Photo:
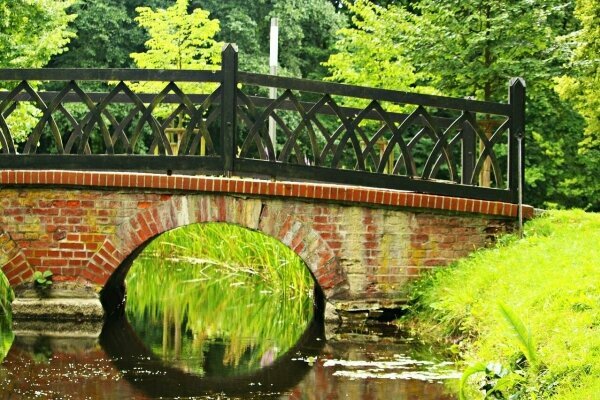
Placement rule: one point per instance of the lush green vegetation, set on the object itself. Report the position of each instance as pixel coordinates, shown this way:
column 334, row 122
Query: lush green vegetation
column 219, row 282
column 6, row 335
column 526, row 311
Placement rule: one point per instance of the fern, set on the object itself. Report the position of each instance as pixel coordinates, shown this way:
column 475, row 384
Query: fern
column 521, row 332
column 473, row 369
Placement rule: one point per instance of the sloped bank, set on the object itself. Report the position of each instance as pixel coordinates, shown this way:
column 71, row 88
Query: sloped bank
column 525, row 314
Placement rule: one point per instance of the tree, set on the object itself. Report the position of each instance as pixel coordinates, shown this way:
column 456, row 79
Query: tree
column 582, row 82
column 306, row 32
column 31, row 33
column 472, row 48
column 373, row 51
column 178, row 39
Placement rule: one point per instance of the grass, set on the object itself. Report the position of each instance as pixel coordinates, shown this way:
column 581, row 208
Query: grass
column 218, row 281
column 6, row 335
column 531, row 305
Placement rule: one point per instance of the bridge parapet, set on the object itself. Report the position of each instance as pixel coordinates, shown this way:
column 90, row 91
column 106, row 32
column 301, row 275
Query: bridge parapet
column 216, row 122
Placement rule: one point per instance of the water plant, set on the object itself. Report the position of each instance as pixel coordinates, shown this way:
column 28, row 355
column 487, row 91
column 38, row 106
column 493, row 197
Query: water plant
column 219, row 282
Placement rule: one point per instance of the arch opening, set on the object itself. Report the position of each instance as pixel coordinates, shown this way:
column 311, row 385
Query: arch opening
column 215, row 298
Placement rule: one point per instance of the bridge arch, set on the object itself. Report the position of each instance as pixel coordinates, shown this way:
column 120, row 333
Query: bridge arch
column 109, row 266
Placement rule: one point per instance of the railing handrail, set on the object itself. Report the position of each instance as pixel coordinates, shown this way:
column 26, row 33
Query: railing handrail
column 109, row 74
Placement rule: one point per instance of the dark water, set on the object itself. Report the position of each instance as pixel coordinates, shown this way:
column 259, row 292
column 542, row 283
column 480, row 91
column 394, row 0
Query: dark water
column 122, row 365
column 198, row 328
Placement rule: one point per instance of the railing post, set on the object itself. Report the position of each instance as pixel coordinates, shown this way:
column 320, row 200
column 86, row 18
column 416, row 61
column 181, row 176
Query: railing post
column 229, row 68
column 516, row 147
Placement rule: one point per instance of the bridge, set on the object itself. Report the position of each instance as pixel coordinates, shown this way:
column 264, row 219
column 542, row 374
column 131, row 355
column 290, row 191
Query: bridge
column 369, row 187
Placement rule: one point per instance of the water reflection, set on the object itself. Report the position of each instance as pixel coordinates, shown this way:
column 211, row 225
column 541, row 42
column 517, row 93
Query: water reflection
column 197, row 328
column 218, row 299
column 151, row 375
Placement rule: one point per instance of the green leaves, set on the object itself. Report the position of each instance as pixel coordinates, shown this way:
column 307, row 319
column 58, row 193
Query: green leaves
column 581, row 84
column 178, row 39
column 521, row 333
column 33, row 31
column 42, row 279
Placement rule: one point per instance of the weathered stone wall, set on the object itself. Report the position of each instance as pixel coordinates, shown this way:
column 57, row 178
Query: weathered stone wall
column 361, row 244
column 354, row 251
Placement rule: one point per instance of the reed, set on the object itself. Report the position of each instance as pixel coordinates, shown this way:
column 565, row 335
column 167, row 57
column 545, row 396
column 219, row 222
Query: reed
column 219, row 281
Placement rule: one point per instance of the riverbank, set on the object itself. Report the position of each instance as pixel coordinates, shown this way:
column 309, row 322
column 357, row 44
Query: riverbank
column 527, row 312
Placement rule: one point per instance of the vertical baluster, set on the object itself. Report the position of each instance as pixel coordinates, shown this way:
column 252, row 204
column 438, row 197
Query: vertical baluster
column 467, row 154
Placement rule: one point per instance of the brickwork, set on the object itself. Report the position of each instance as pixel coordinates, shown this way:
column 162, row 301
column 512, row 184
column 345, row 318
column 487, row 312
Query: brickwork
column 358, row 243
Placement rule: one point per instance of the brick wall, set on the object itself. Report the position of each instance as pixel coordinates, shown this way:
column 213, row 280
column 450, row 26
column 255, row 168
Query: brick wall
column 357, row 242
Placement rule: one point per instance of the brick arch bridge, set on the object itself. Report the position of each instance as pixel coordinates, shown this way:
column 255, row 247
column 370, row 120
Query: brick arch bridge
column 361, row 244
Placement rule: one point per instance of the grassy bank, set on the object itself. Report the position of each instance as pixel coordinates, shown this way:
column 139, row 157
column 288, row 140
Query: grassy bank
column 527, row 312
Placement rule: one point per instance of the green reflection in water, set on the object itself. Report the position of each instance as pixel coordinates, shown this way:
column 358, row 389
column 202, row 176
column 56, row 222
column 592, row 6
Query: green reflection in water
column 218, row 299
column 6, row 334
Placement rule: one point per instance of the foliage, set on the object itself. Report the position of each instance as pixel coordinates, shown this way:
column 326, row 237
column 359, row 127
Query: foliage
column 42, row 279
column 581, row 84
column 548, row 279
column 30, row 33
column 204, row 279
column 472, row 48
column 106, row 35
column 6, row 295
column 373, row 50
column 178, row 39
column 6, row 335
column 33, row 31
column 557, row 174
column 306, row 32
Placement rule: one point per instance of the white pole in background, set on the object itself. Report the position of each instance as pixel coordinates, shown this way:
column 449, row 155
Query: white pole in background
column 273, row 55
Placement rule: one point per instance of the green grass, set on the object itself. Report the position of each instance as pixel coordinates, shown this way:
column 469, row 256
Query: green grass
column 538, row 297
column 219, row 281
column 6, row 335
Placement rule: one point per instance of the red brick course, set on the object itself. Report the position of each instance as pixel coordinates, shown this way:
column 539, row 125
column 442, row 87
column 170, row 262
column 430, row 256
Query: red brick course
column 358, row 242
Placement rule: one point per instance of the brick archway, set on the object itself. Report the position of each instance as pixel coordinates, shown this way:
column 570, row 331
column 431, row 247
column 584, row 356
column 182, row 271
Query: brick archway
column 112, row 260
column 14, row 264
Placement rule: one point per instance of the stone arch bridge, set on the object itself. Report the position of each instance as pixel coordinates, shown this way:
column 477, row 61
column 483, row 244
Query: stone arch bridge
column 403, row 182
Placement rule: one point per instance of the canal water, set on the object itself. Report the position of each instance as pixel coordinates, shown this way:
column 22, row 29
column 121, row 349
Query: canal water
column 196, row 328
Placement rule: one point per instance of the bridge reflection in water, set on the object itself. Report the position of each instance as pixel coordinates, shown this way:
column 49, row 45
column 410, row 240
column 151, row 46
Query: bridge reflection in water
column 123, row 367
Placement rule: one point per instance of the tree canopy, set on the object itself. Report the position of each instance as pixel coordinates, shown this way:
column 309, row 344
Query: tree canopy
column 178, row 39
column 582, row 82
column 33, row 31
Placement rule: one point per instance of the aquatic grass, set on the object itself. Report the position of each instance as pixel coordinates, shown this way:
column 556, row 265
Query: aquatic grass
column 6, row 295
column 220, row 281
column 550, row 282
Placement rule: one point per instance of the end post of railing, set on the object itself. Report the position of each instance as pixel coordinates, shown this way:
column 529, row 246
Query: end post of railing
column 516, row 148
column 229, row 68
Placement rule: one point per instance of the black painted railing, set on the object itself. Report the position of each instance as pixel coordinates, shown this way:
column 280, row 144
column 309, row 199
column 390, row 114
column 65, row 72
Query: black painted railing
column 217, row 122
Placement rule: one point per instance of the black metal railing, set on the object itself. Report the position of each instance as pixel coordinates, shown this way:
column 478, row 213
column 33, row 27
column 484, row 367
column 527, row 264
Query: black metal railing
column 222, row 122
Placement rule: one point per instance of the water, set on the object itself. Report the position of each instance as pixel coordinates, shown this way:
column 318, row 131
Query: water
column 211, row 319
column 122, row 365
